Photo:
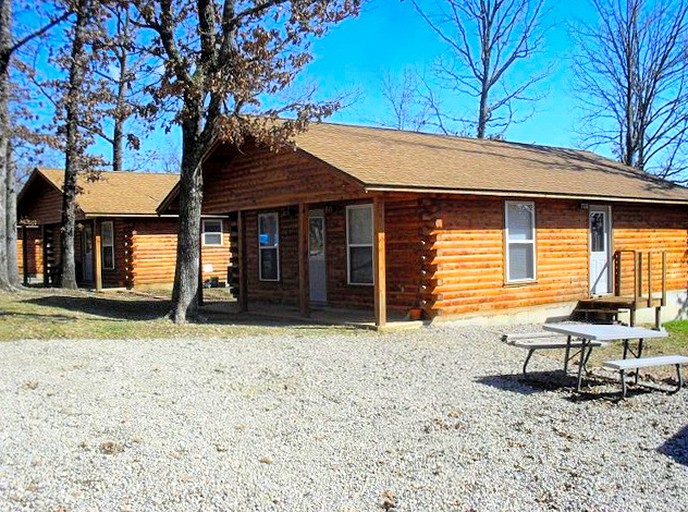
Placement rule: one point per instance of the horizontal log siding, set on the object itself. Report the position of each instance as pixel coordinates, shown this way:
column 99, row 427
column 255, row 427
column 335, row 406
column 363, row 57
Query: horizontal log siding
column 258, row 179
column 404, row 258
column 34, row 253
column 407, row 278
column 467, row 256
column 154, row 253
column 218, row 256
column 119, row 276
column 340, row 294
column 652, row 228
column 284, row 291
column 41, row 203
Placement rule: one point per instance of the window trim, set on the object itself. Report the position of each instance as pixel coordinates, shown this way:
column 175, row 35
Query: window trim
column 349, row 245
column 103, row 246
column 221, row 233
column 275, row 246
column 507, row 243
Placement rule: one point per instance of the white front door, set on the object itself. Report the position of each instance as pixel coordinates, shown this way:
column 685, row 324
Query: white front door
column 87, row 254
column 317, row 266
column 600, row 250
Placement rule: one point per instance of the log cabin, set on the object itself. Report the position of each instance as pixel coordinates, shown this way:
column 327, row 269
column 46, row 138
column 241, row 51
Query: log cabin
column 458, row 228
column 120, row 240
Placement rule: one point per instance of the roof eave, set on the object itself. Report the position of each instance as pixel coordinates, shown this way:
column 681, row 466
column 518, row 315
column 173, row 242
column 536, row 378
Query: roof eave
column 520, row 193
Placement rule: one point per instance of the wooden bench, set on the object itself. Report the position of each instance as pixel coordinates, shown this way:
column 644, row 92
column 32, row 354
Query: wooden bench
column 533, row 341
column 644, row 362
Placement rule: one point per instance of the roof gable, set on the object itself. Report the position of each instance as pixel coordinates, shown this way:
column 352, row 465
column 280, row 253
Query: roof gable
column 113, row 193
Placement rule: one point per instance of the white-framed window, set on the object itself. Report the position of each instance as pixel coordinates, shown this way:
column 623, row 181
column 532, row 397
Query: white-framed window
column 359, row 244
column 268, row 247
column 519, row 220
column 107, row 235
column 212, row 232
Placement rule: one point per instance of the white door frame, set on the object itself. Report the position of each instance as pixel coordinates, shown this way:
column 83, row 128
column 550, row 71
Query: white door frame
column 607, row 210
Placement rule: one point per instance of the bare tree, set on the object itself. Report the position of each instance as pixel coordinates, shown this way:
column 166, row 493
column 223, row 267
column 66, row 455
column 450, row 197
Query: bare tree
column 220, row 60
column 126, row 77
column 9, row 276
column 486, row 39
column 408, row 109
column 632, row 77
column 77, row 100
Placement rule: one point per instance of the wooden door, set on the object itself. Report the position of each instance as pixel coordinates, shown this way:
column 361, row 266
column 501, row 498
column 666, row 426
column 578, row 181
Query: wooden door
column 317, row 264
column 600, row 250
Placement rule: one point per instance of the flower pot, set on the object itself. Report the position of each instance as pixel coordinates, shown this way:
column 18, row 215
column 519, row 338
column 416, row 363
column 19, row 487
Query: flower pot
column 415, row 314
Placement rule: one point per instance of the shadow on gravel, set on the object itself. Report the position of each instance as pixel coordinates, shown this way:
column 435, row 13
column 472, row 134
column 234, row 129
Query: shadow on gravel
column 107, row 307
column 676, row 447
column 533, row 382
column 537, row 382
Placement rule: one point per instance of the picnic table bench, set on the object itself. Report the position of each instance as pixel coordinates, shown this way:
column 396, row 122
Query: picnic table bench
column 533, row 341
column 644, row 362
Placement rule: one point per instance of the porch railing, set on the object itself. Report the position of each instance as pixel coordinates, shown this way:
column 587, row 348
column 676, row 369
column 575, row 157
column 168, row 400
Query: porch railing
column 643, row 275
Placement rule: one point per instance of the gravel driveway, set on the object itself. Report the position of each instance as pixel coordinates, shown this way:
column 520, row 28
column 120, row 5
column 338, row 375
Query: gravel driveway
column 419, row 421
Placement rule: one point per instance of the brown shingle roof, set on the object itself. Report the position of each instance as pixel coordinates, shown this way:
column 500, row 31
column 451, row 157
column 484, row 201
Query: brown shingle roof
column 118, row 193
column 396, row 160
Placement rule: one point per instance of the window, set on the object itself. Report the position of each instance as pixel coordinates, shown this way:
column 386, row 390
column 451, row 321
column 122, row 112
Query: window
column 359, row 243
column 212, row 232
column 107, row 234
column 268, row 247
column 520, row 241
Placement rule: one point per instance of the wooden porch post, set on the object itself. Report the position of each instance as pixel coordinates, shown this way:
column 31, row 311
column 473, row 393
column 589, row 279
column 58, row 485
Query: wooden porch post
column 379, row 261
column 25, row 258
column 199, row 292
column 304, row 284
column 97, row 256
column 241, row 254
column 44, row 249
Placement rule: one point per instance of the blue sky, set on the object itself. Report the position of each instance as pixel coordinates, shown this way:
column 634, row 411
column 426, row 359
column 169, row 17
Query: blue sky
column 389, row 37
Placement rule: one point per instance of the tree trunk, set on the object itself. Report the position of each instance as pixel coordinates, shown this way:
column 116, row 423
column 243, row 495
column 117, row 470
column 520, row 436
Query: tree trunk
column 120, row 115
column 11, row 235
column 73, row 149
column 5, row 44
column 483, row 113
column 185, row 292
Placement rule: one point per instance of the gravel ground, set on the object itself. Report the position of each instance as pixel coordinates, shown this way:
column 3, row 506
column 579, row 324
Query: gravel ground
column 431, row 420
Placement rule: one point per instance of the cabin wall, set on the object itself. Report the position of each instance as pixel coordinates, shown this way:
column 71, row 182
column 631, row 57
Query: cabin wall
column 42, row 204
column 467, row 252
column 120, row 276
column 259, row 179
column 652, row 228
column 154, row 254
column 404, row 258
column 468, row 256
column 34, row 253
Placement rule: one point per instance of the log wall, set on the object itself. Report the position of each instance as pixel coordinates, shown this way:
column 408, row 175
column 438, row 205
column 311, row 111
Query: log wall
column 154, row 253
column 258, row 179
column 34, row 254
column 404, row 257
column 652, row 228
column 468, row 257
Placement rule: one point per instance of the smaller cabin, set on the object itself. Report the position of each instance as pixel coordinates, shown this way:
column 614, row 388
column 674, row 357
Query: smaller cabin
column 120, row 240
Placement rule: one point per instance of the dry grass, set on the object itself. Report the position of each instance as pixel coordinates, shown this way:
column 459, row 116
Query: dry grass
column 55, row 314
